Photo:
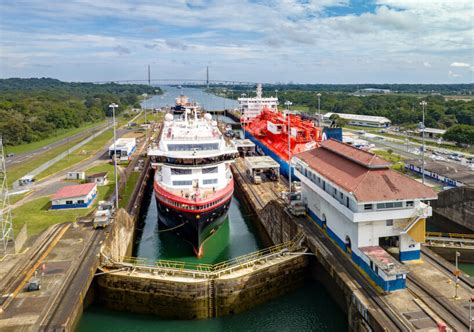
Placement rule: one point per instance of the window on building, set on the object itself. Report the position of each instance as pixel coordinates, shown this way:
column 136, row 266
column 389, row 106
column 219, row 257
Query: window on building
column 347, row 201
column 183, row 183
column 397, row 204
column 209, row 181
column 68, row 202
column 180, row 171
column 371, row 265
column 324, row 185
column 376, row 270
column 410, row 203
column 389, row 222
column 209, row 170
column 389, row 205
column 368, row 207
column 342, row 195
column 81, row 201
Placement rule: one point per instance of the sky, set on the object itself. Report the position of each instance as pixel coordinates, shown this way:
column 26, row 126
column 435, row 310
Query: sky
column 300, row 41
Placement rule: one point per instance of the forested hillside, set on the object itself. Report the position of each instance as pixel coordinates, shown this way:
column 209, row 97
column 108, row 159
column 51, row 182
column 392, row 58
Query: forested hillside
column 401, row 109
column 33, row 109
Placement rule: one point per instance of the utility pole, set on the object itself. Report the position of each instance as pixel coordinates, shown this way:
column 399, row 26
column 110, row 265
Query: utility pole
column 423, row 105
column 288, row 104
column 113, row 106
column 207, row 76
column 149, row 75
column 319, row 109
column 6, row 225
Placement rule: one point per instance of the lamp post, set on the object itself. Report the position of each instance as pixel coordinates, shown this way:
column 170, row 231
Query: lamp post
column 276, row 91
column 242, row 120
column 288, row 104
column 113, row 106
column 319, row 109
column 456, row 273
column 423, row 105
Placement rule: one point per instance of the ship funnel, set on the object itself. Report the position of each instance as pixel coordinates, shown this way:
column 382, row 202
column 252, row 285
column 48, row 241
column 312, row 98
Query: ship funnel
column 259, row 90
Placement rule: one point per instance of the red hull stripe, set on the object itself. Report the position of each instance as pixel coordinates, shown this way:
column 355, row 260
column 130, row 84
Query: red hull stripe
column 229, row 189
column 197, row 211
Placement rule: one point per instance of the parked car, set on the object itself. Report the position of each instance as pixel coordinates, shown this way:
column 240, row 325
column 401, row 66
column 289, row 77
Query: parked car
column 34, row 285
column 10, row 155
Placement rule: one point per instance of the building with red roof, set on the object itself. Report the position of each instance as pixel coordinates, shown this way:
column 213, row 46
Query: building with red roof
column 362, row 203
column 73, row 197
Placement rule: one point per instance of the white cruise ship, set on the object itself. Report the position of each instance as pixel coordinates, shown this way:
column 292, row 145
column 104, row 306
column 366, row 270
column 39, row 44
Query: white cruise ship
column 193, row 183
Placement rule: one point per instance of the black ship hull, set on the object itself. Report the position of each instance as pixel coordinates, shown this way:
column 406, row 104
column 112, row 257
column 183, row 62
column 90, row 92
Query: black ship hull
column 195, row 227
column 178, row 109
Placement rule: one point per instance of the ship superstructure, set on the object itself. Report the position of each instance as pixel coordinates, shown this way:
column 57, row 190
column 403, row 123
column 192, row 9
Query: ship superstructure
column 193, row 183
column 251, row 107
column 182, row 103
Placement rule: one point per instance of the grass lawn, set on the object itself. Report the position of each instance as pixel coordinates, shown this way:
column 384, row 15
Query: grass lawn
column 37, row 213
column 15, row 198
column 128, row 190
column 85, row 151
column 16, row 171
column 60, row 134
column 396, row 160
column 38, row 217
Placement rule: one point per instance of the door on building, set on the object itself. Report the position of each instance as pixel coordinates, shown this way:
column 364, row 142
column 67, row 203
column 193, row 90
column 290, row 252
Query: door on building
column 391, row 244
column 348, row 245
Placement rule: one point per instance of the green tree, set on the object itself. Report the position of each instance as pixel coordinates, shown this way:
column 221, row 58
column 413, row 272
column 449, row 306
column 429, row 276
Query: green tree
column 461, row 134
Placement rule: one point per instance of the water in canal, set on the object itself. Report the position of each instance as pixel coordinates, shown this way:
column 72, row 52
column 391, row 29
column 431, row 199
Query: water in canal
column 308, row 308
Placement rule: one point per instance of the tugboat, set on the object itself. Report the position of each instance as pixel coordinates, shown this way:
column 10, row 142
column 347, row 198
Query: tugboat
column 193, row 183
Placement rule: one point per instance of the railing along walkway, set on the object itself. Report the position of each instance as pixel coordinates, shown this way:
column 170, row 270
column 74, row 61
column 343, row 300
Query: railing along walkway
column 195, row 270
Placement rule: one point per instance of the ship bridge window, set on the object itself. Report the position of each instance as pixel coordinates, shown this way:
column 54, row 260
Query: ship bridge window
column 179, row 171
column 183, row 183
column 209, row 181
column 193, row 147
column 209, row 170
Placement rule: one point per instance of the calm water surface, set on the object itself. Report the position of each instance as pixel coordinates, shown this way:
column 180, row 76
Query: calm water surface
column 308, row 308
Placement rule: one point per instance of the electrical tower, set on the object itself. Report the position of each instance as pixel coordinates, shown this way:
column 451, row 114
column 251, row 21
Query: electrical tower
column 6, row 228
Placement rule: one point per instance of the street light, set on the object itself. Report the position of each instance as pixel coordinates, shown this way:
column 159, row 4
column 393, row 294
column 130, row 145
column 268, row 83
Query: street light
column 423, row 105
column 457, row 273
column 288, row 104
column 113, row 106
column 242, row 120
column 276, row 91
column 319, row 109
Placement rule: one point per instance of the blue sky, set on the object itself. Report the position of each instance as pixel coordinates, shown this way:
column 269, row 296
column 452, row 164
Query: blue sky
column 324, row 41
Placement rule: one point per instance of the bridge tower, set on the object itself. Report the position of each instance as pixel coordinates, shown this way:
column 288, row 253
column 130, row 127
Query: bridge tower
column 149, row 76
column 207, row 76
column 6, row 227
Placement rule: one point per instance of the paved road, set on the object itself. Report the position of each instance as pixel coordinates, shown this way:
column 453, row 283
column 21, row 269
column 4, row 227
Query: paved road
column 22, row 157
column 51, row 184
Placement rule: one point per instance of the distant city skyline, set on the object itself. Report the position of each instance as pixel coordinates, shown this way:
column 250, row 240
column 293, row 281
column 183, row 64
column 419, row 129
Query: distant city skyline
column 303, row 41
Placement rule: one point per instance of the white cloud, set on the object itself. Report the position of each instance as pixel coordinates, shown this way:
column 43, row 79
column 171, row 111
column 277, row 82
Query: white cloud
column 452, row 74
column 270, row 40
column 460, row 64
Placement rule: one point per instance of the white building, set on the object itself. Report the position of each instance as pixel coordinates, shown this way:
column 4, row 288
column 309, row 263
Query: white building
column 75, row 176
column 98, row 178
column 360, row 120
column 124, row 147
column 365, row 206
column 73, row 197
column 250, row 107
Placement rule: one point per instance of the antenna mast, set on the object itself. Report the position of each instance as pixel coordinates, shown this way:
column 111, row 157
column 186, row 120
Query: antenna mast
column 6, row 227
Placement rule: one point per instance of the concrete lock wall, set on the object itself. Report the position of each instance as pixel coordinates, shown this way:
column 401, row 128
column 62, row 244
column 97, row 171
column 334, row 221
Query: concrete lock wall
column 183, row 298
column 456, row 205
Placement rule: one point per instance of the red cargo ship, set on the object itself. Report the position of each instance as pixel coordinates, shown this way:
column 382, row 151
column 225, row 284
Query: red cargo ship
column 269, row 131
